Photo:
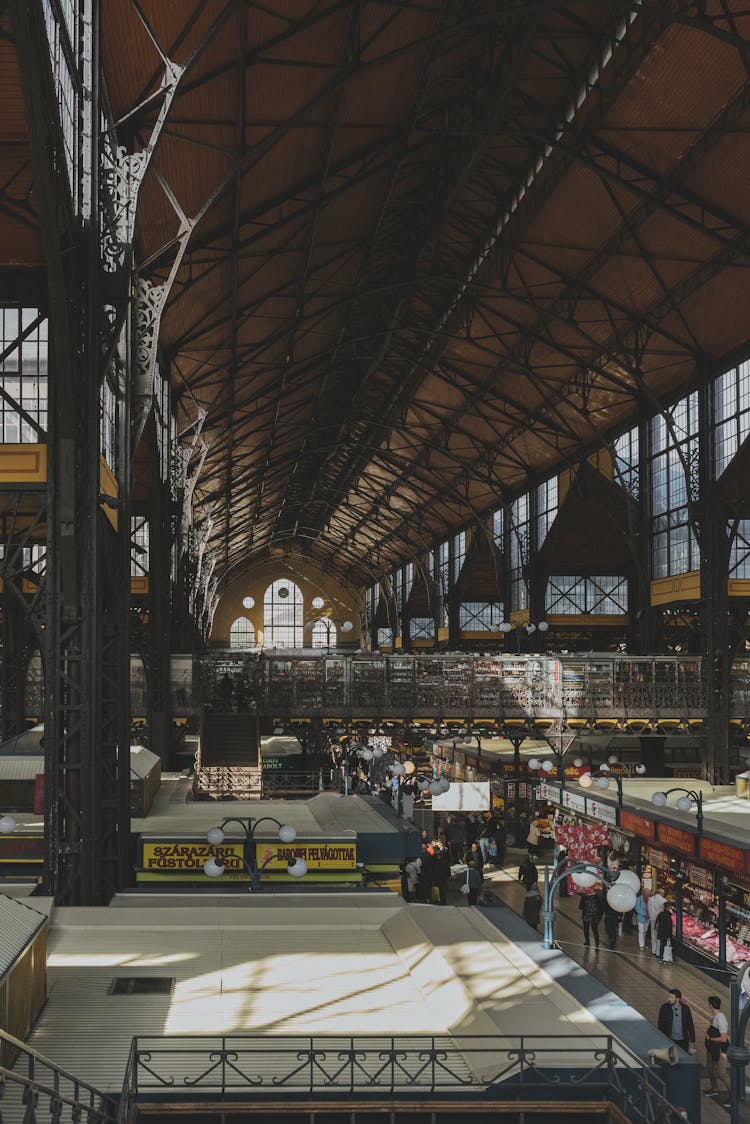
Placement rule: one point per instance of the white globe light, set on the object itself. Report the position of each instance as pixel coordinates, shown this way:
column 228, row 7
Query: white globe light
column 287, row 833
column 613, row 758
column 423, row 784
column 347, row 626
column 366, row 755
column 604, row 768
column 585, row 878
column 506, row 626
column 444, row 784
column 435, row 787
column 684, row 804
column 577, row 762
column 213, row 867
column 602, row 782
column 397, row 769
column 585, row 780
column 530, row 627
column 629, row 878
column 659, row 798
column 7, row 825
column 214, row 836
column 542, row 626
column 317, row 602
column 297, row 868
column 535, row 763
column 377, row 751
column 309, row 626
column 640, row 769
column 621, row 897
column 248, row 602
column 548, row 766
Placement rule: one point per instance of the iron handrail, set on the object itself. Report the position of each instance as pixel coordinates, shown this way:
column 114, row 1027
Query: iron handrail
column 228, row 1067
column 82, row 1097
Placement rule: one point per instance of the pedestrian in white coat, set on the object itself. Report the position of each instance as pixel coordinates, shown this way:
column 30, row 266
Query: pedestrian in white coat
column 654, row 906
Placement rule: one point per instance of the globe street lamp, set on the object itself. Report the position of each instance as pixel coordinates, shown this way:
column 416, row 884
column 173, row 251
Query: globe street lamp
column 621, row 893
column 683, row 803
column 215, row 866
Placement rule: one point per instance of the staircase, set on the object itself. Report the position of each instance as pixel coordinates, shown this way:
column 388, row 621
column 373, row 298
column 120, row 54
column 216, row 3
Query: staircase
column 34, row 1091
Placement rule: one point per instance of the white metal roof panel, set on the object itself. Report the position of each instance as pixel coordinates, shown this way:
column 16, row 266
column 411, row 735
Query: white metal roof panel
column 18, row 924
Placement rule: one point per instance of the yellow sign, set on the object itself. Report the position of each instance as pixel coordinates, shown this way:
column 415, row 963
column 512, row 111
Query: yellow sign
column 318, row 856
column 170, row 854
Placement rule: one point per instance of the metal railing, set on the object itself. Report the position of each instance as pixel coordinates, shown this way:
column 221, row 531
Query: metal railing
column 42, row 1091
column 242, row 1068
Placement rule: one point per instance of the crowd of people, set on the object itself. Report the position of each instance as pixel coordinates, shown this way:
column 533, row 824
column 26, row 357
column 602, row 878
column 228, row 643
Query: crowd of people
column 469, row 842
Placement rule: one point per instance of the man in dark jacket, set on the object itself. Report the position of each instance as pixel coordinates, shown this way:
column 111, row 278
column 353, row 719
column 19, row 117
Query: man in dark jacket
column 441, row 872
column 676, row 1020
column 532, row 905
column 591, row 907
column 527, row 873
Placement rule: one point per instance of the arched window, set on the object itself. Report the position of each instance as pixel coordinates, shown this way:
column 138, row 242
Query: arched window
column 282, row 615
column 324, row 633
column 242, row 634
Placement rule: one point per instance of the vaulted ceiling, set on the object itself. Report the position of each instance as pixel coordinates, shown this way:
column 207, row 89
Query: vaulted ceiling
column 435, row 248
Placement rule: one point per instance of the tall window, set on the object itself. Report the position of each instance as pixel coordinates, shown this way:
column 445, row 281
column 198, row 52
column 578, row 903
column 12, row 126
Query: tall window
column 480, row 616
column 570, row 595
column 242, row 634
column 626, row 462
column 731, row 399
column 107, row 423
column 442, row 579
column 459, row 554
column 497, row 528
column 674, row 482
column 408, row 580
column 139, row 547
column 282, row 615
column 23, row 374
column 739, row 555
column 324, row 633
column 421, row 628
column 372, row 597
column 546, row 508
column 520, row 528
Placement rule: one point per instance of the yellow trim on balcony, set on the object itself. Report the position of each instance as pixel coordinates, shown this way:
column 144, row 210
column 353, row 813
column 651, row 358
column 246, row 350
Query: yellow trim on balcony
column 23, row 464
column 681, row 587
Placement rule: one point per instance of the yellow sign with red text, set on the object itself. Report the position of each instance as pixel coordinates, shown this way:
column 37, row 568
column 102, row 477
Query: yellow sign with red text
column 318, row 856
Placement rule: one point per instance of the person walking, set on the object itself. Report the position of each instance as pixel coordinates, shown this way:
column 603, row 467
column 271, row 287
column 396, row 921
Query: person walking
column 411, row 877
column 676, row 1021
column 441, row 872
column 486, row 835
column 533, row 838
column 474, row 855
column 532, row 905
column 475, row 881
column 664, row 935
column 641, row 916
column 612, row 922
column 654, row 906
column 591, row 907
column 717, row 1039
column 527, row 872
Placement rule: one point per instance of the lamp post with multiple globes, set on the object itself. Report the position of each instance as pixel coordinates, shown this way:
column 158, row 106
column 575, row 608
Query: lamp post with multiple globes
column 622, row 890
column 215, row 866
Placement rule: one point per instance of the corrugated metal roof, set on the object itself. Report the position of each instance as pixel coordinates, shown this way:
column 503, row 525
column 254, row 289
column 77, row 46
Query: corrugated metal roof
column 18, row 924
column 142, row 761
column 20, row 767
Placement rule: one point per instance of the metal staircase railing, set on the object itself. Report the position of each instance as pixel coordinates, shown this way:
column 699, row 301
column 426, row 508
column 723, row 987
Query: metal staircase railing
column 255, row 1069
column 33, row 1090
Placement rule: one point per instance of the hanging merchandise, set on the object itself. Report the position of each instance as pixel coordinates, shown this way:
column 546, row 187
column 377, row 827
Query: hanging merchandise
column 584, row 843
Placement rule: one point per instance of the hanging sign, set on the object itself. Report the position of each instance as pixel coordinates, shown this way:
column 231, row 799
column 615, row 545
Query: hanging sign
column 604, row 812
column 639, row 825
column 318, row 856
column 184, row 855
column 723, row 854
column 699, row 876
column 549, row 792
column 573, row 801
column 675, row 837
column 659, row 859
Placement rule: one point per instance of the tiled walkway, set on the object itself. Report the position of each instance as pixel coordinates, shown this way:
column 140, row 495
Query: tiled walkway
column 637, row 976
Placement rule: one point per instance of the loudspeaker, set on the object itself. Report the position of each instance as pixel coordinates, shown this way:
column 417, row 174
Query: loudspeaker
column 668, row 1055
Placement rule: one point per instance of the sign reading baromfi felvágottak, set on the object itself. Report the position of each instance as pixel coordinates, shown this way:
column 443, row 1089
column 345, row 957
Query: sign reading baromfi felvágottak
column 182, row 855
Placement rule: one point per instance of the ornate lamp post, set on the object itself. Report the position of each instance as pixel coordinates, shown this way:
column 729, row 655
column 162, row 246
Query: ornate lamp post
column 621, row 893
column 214, row 867
column 683, row 803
